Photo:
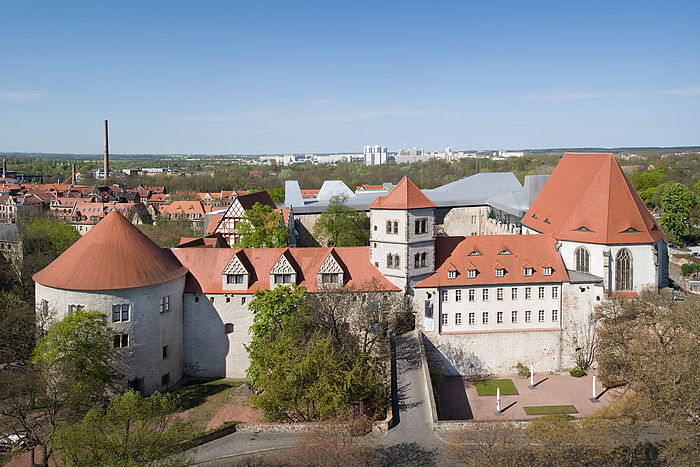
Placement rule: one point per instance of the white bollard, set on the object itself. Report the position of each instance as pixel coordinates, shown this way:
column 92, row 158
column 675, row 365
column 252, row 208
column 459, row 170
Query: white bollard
column 594, row 391
column 532, row 375
column 498, row 399
column 594, row 399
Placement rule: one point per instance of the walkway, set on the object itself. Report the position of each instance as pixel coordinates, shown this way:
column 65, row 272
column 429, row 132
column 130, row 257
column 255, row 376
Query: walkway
column 411, row 441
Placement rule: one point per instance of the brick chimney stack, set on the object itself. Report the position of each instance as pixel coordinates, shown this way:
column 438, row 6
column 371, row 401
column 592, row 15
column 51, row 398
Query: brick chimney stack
column 106, row 151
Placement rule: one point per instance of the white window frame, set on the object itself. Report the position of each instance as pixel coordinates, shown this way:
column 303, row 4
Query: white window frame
column 444, row 295
column 514, row 316
column 540, row 292
column 528, row 316
column 458, row 295
column 528, row 272
column 458, row 318
column 528, row 293
column 555, row 292
column 555, row 316
column 499, row 293
column 540, row 316
column 547, row 271
column 472, row 317
column 499, row 317
column 452, row 274
column 500, row 272
column 472, row 295
column 514, row 293
column 485, row 295
column 485, row 317
column 471, row 273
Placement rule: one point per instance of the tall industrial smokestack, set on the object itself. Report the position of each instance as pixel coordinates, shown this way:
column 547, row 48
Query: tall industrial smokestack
column 72, row 176
column 4, row 168
column 106, row 151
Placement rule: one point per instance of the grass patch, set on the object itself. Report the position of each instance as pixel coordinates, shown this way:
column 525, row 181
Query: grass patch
column 550, row 409
column 195, row 393
column 487, row 387
column 203, row 399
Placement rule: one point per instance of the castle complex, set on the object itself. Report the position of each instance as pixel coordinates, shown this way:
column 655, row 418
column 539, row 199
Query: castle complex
column 483, row 302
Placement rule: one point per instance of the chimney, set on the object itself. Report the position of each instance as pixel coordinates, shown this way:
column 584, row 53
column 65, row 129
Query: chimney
column 106, row 151
column 4, row 168
column 72, row 174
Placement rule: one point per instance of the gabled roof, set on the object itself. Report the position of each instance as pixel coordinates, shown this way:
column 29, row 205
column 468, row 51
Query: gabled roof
column 525, row 249
column 112, row 255
column 589, row 199
column 405, row 195
column 206, row 266
column 262, row 197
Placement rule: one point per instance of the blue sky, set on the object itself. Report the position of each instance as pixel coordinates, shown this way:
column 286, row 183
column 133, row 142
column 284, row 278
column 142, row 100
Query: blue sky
column 276, row 77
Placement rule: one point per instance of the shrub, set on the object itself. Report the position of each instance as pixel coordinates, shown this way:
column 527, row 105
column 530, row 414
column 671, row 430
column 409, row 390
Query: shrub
column 523, row 370
column 577, row 372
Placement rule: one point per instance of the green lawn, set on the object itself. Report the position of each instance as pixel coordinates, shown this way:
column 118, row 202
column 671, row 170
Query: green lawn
column 487, row 387
column 550, row 409
column 195, row 392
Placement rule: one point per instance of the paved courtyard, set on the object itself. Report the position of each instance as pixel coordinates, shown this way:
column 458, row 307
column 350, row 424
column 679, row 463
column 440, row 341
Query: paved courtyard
column 460, row 401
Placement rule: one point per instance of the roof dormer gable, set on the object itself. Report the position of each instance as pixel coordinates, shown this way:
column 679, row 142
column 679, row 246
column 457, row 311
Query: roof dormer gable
column 283, row 265
column 236, row 266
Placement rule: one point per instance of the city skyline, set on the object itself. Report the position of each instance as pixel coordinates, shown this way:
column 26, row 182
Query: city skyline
column 275, row 78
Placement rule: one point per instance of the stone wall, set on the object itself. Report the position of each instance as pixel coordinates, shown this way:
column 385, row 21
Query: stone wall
column 148, row 329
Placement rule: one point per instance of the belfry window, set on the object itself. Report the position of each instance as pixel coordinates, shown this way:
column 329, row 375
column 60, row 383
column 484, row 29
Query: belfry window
column 623, row 271
column 582, row 258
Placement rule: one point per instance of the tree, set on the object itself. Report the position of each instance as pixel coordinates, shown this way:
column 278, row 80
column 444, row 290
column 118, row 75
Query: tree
column 262, row 227
column 68, row 373
column 340, row 225
column 583, row 340
column 652, row 342
column 132, row 431
column 676, row 202
column 17, row 329
column 167, row 233
column 271, row 309
column 302, row 372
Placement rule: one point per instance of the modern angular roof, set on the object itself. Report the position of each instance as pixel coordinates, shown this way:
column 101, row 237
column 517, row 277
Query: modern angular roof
column 589, row 199
column 486, row 253
column 206, row 266
column 405, row 195
column 112, row 255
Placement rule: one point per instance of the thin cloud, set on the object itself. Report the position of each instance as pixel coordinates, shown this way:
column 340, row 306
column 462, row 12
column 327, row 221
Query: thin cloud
column 22, row 95
column 260, row 115
column 693, row 90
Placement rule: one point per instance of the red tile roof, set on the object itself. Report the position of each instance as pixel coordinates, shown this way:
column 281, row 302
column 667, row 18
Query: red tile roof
column 405, row 195
column 589, row 199
column 206, row 266
column 535, row 251
column 112, row 255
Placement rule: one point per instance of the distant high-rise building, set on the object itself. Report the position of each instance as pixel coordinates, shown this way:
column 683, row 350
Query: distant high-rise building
column 375, row 155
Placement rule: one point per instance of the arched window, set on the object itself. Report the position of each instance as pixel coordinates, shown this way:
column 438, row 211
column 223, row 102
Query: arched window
column 396, row 261
column 623, row 270
column 389, row 261
column 416, row 261
column 228, row 328
column 423, row 257
column 583, row 259
column 396, row 227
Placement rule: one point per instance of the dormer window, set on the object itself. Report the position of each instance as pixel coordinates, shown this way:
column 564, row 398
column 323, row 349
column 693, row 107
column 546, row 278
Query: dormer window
column 331, row 278
column 500, row 272
column 528, row 272
column 505, row 252
column 474, row 253
column 547, row 271
column 282, row 278
column 452, row 274
column 234, row 278
column 471, row 273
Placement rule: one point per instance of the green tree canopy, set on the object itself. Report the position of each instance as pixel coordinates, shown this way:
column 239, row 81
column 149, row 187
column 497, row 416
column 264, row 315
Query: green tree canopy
column 340, row 225
column 646, row 183
column 69, row 372
column 262, row 227
column 80, row 347
column 132, row 431
column 271, row 309
column 676, row 202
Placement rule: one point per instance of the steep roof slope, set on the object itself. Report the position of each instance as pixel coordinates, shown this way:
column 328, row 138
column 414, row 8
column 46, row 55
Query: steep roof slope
column 405, row 195
column 262, row 197
column 589, row 199
column 113, row 255
column 486, row 253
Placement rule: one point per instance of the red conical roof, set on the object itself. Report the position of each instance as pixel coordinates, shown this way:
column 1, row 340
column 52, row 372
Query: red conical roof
column 589, row 199
column 405, row 195
column 112, row 255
